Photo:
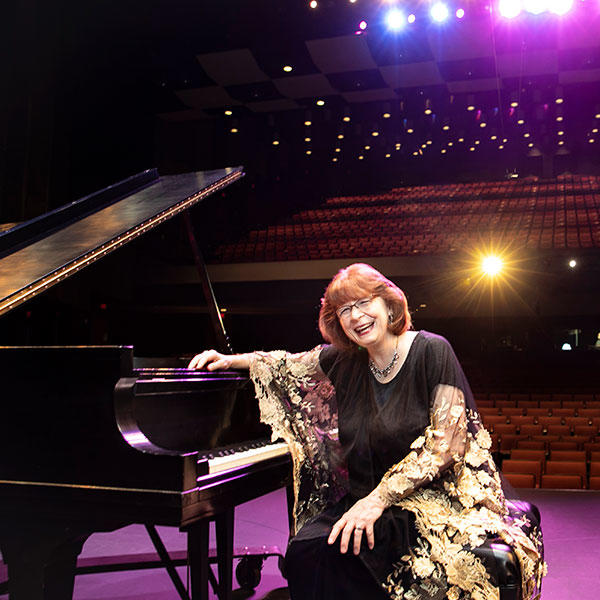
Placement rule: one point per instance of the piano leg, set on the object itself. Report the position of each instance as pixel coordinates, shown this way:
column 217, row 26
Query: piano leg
column 198, row 558
column 224, row 530
column 197, row 539
column 41, row 564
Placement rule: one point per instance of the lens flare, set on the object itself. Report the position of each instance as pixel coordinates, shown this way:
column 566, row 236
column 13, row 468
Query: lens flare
column 491, row 265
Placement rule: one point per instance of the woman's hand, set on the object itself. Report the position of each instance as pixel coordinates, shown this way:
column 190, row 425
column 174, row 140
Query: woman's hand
column 361, row 517
column 213, row 360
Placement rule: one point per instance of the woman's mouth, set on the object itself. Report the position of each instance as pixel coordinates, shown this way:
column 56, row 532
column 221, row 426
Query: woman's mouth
column 364, row 329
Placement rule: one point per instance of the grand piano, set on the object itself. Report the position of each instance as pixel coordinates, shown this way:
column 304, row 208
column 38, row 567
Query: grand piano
column 93, row 438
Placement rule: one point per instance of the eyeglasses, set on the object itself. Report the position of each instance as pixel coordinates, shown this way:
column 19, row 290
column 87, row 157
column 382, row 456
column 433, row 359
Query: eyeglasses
column 344, row 312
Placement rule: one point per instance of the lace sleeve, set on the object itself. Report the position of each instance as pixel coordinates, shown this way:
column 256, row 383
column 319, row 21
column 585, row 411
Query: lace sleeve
column 442, row 444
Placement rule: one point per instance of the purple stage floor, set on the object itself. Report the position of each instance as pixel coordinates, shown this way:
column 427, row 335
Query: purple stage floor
column 571, row 525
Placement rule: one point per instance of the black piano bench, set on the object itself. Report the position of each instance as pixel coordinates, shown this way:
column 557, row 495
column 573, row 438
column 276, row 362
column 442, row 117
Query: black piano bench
column 499, row 558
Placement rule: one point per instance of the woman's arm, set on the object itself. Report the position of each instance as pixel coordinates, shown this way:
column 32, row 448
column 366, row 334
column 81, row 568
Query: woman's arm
column 213, row 360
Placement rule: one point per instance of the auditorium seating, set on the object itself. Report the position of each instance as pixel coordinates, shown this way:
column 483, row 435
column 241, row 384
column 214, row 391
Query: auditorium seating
column 553, row 442
column 429, row 220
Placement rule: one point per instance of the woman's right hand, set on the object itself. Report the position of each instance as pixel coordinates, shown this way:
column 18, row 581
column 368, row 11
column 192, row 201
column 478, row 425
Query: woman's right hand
column 213, row 360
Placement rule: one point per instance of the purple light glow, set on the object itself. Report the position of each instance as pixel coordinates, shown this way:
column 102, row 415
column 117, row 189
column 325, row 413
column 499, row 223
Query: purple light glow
column 362, row 25
column 560, row 7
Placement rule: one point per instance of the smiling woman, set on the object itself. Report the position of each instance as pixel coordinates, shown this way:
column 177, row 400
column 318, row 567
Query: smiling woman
column 394, row 482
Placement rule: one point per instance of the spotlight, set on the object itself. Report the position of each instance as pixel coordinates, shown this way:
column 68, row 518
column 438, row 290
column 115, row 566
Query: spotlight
column 470, row 107
column 287, row 68
column 228, row 113
column 566, row 346
column 307, row 123
column 340, row 136
column 572, row 263
column 410, row 130
column 388, row 155
column 395, row 19
column 509, row 8
column 386, row 115
column 560, row 7
column 411, row 18
column 313, row 4
column 559, row 119
column 346, row 119
column 275, row 142
column 491, row 265
column 362, row 25
column 439, row 12
column 374, row 133
column 460, row 13
column 559, row 101
column 234, row 130
column 320, row 102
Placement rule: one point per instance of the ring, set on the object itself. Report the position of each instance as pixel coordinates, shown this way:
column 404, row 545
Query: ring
column 358, row 528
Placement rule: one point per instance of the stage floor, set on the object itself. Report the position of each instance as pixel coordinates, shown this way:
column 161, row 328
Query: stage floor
column 570, row 521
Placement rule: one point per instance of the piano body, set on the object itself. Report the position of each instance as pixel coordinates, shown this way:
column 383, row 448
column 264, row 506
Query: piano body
column 92, row 439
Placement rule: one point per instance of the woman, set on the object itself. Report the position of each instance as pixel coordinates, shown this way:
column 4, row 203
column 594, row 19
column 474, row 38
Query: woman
column 393, row 476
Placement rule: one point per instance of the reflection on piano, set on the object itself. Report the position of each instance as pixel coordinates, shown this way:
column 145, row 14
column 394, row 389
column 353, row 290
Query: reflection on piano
column 94, row 439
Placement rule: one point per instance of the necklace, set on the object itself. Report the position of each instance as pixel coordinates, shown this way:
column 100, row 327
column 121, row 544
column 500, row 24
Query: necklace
column 383, row 373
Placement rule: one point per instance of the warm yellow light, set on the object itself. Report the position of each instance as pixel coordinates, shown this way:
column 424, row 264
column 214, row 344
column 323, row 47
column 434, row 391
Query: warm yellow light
column 429, row 142
column 428, row 111
column 228, row 112
column 446, row 127
column 470, row 107
column 500, row 147
column 520, row 122
column 234, row 130
column 386, row 115
column 491, row 265
column 275, row 142
column 334, row 159
column 346, row 119
column 375, row 133
column 287, row 68
column 472, row 148
column 338, row 149
column 450, row 144
column 309, row 152
column 443, row 150
column 340, row 136
column 514, row 104
column 559, row 101
column 493, row 137
column 308, row 123
column 320, row 102
column 482, row 124
column 313, row 3
column 461, row 140
column 388, row 155
column 477, row 142
column 367, row 147
column 410, row 130
column 307, row 139
column 525, row 135
column 572, row 263
column 559, row 119
column 360, row 157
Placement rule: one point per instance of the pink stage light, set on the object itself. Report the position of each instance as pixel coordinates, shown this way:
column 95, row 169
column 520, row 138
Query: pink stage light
column 460, row 13
column 509, row 8
column 362, row 25
column 560, row 7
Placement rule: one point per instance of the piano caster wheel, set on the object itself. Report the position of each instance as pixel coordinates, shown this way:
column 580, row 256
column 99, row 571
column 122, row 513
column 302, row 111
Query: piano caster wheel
column 248, row 571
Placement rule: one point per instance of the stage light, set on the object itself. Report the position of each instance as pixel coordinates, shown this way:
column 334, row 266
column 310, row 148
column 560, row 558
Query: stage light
column 346, row 119
column 411, row 18
column 309, row 152
column 307, row 139
column 228, row 113
column 308, row 123
column 338, row 149
column 375, row 133
column 509, row 8
column 362, row 25
column 559, row 119
column 443, row 150
column 504, row 141
column 560, row 7
column 334, row 159
column 460, row 13
column 535, row 7
column 477, row 142
column 526, row 135
column 530, row 145
column 313, row 4
column 500, row 147
column 493, row 137
column 367, row 147
column 561, row 133
column 591, row 141
column 520, row 122
column 597, row 116
column 439, row 12
column 388, row 155
column 320, row 102
column 429, row 142
column 395, row 19
column 491, row 265
column 595, row 130
column 340, row 136
column 483, row 124
column 428, row 111
column 234, row 130
column 461, row 140
column 472, row 148
column 450, row 144
column 572, row 263
column 287, row 69
column 275, row 142
column 410, row 130
column 446, row 127
column 514, row 104
column 415, row 154
column 360, row 157
column 470, row 107
column 566, row 346
column 386, row 115
column 561, row 142
column 559, row 101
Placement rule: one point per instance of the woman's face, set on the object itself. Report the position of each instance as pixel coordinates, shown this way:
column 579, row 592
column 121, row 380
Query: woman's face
column 365, row 321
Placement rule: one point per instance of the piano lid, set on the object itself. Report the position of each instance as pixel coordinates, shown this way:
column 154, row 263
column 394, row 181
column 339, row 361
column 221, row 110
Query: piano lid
column 48, row 249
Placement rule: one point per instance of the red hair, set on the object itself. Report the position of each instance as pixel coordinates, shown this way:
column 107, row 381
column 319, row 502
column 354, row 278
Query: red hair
column 360, row 281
